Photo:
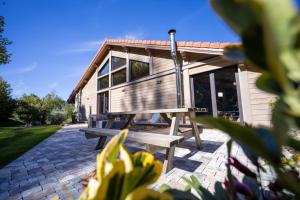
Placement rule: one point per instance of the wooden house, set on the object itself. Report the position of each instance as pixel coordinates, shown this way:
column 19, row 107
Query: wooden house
column 128, row 75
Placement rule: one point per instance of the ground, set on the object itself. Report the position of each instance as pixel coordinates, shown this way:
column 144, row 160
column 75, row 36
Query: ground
column 15, row 141
column 56, row 165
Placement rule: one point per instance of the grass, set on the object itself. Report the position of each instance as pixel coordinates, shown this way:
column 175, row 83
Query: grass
column 15, row 141
column 10, row 123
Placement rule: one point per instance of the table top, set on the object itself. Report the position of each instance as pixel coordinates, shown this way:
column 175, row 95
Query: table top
column 172, row 110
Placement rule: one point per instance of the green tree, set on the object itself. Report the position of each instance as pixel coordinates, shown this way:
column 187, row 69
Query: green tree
column 4, row 55
column 29, row 109
column 7, row 103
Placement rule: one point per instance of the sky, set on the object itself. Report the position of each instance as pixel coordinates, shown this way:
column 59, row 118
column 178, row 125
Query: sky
column 55, row 40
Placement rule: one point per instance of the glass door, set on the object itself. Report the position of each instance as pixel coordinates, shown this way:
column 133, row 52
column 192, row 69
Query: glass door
column 103, row 101
column 215, row 93
column 202, row 94
column 226, row 94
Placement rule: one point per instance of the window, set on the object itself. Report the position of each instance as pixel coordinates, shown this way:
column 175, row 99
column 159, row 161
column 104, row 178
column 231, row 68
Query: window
column 119, row 77
column 103, row 82
column 117, row 62
column 104, row 69
column 103, row 102
column 138, row 69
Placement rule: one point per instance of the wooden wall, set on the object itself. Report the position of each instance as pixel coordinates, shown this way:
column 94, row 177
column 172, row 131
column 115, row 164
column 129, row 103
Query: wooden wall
column 89, row 98
column 259, row 102
column 151, row 94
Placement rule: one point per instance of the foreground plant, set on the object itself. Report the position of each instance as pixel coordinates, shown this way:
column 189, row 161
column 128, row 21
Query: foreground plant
column 270, row 35
column 121, row 175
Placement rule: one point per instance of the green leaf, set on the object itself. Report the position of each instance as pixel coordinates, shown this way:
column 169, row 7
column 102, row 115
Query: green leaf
column 241, row 20
column 295, row 144
column 164, row 188
column 220, row 192
column 181, row 195
column 266, row 83
column 195, row 184
column 242, row 134
column 235, row 52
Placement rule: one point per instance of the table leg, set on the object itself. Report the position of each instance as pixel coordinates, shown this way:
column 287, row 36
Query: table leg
column 166, row 118
column 100, row 143
column 168, row 162
column 175, row 124
column 196, row 130
column 102, row 139
column 130, row 118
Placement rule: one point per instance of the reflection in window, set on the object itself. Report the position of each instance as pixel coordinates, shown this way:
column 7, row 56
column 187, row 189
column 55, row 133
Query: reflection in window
column 103, row 82
column 138, row 69
column 202, row 94
column 119, row 77
column 117, row 62
column 226, row 93
column 104, row 69
column 103, row 102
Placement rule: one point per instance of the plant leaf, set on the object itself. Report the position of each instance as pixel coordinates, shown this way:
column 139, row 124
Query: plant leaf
column 242, row 134
column 144, row 193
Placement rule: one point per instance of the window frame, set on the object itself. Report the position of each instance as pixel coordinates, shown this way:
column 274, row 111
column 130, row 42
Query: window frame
column 116, row 71
column 123, row 66
column 130, row 69
column 107, row 62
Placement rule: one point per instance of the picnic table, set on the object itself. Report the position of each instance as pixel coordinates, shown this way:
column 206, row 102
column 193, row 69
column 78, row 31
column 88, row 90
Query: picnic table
column 176, row 135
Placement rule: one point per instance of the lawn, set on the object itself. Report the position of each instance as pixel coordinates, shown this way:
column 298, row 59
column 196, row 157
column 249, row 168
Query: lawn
column 15, row 141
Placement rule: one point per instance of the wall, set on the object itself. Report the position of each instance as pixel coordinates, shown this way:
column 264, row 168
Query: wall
column 89, row 98
column 151, row 94
column 259, row 102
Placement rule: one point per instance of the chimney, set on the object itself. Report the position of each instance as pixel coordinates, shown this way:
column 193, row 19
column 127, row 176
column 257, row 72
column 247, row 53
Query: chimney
column 177, row 68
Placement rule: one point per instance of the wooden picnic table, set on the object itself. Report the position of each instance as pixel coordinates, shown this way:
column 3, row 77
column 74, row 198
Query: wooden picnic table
column 175, row 136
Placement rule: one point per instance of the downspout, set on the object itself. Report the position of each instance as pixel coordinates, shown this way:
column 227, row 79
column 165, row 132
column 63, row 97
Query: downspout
column 177, row 64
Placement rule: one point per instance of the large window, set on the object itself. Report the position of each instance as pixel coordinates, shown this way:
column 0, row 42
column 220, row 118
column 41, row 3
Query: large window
column 117, row 62
column 119, row 77
column 104, row 69
column 103, row 82
column 215, row 93
column 138, row 69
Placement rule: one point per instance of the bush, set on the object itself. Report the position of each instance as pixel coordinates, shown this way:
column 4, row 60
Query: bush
column 7, row 103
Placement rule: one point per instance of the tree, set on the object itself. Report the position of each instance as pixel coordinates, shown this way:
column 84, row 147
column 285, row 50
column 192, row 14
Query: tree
column 7, row 103
column 4, row 55
column 29, row 109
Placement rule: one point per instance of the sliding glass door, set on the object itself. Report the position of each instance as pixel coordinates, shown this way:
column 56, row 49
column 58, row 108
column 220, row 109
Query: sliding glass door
column 103, row 102
column 215, row 93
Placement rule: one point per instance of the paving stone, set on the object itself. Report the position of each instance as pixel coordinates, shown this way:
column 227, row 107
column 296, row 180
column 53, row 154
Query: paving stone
column 4, row 195
column 55, row 161
column 17, row 196
column 31, row 191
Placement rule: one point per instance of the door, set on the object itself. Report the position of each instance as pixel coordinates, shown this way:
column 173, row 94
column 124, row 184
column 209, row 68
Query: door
column 226, row 94
column 103, row 101
column 202, row 94
column 215, row 93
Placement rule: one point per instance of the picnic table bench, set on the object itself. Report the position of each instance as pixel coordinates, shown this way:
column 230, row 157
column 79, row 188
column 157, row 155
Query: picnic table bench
column 175, row 136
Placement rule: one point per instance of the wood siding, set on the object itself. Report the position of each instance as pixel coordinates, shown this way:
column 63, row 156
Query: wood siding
column 89, row 98
column 259, row 102
column 155, row 93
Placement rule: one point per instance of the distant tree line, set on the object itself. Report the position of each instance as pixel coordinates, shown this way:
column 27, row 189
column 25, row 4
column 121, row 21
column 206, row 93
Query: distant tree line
column 32, row 109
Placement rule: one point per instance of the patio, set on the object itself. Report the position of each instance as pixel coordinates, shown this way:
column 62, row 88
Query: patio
column 56, row 166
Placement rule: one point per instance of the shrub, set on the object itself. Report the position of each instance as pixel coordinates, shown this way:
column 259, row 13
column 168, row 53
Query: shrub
column 121, row 175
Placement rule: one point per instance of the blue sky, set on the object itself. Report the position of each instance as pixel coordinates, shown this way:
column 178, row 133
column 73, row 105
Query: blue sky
column 54, row 40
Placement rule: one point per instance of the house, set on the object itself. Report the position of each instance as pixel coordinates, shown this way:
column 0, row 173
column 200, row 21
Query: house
column 130, row 75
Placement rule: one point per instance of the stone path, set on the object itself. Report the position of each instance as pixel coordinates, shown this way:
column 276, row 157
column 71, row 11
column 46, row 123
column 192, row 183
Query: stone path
column 55, row 166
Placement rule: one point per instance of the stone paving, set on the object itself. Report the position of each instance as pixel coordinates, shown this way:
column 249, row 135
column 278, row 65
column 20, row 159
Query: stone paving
column 55, row 166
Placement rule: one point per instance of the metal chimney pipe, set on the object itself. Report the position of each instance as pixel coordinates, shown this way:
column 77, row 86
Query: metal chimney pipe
column 177, row 68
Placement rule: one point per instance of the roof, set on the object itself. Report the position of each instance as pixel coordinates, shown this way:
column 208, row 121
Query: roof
column 147, row 44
